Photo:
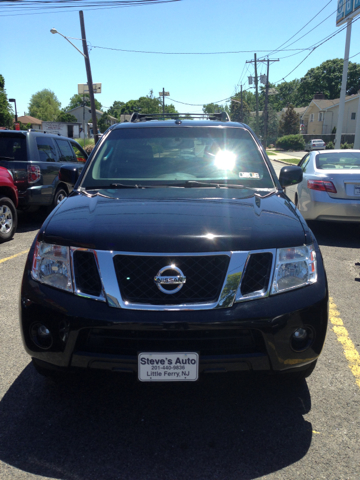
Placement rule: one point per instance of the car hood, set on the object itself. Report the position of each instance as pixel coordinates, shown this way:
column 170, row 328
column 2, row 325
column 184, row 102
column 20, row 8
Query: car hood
column 175, row 220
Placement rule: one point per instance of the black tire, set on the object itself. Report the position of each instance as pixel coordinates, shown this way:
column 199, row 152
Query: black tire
column 8, row 219
column 300, row 374
column 60, row 195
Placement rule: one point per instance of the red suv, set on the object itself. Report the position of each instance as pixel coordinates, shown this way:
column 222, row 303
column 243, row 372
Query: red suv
column 8, row 204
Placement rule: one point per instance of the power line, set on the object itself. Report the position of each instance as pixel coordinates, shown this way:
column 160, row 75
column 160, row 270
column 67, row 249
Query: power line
column 302, row 28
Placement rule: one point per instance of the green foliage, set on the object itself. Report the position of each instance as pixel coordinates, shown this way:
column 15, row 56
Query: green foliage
column 291, row 142
column 44, row 105
column 326, row 78
column 289, row 122
column 147, row 104
column 79, row 100
column 286, row 93
column 215, row 108
column 89, row 141
column 347, row 145
column 330, row 145
column 272, row 127
column 104, row 122
column 235, row 110
column 66, row 117
column 6, row 112
column 333, row 130
column 115, row 109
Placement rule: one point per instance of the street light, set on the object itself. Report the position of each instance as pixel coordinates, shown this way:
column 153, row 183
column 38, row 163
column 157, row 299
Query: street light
column 14, row 101
column 88, row 71
column 53, row 30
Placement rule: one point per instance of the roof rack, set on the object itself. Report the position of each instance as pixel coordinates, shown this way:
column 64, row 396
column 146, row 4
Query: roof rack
column 145, row 117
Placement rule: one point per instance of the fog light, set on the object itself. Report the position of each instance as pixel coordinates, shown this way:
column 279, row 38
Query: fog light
column 43, row 331
column 41, row 336
column 301, row 339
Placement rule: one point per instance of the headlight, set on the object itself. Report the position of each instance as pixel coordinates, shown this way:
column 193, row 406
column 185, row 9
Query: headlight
column 295, row 267
column 51, row 265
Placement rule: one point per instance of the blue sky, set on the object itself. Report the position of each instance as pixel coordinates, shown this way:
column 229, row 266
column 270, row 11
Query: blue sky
column 31, row 58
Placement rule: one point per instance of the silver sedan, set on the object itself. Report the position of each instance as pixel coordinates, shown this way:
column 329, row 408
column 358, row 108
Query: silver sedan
column 330, row 189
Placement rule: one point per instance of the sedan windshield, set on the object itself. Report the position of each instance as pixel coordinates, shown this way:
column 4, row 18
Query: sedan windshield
column 176, row 156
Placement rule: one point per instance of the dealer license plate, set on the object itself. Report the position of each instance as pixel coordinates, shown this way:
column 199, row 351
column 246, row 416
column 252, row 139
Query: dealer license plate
column 168, row 367
column 357, row 190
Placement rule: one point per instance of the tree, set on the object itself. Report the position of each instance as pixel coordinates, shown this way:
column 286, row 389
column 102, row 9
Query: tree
column 215, row 108
column 44, row 105
column 235, row 109
column 115, row 109
column 148, row 104
column 289, row 122
column 272, row 126
column 326, row 78
column 281, row 95
column 6, row 117
column 78, row 101
column 66, row 117
column 104, row 122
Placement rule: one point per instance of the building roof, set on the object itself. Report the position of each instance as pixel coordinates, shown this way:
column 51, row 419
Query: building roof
column 28, row 119
column 97, row 111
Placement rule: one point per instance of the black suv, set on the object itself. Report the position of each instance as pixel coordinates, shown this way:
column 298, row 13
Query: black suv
column 176, row 254
column 34, row 159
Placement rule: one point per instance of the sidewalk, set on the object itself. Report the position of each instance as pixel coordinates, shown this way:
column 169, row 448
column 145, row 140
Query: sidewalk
column 283, row 156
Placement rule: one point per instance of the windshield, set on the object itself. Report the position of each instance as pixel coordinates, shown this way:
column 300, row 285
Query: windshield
column 162, row 156
column 338, row 160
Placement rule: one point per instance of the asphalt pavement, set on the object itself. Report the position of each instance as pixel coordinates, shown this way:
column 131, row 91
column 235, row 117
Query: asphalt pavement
column 224, row 427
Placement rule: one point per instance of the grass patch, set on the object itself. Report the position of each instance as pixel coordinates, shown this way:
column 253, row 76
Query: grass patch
column 89, row 141
column 270, row 153
column 293, row 161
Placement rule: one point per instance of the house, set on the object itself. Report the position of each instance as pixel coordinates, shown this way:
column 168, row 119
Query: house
column 321, row 116
column 35, row 122
column 67, row 129
column 83, row 115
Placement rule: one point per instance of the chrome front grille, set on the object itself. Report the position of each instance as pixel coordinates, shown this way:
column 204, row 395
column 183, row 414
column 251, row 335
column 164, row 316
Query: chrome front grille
column 257, row 273
column 213, row 280
column 204, row 278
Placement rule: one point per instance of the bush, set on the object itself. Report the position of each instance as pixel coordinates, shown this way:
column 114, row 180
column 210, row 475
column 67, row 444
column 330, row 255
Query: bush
column 89, row 148
column 347, row 145
column 330, row 145
column 89, row 141
column 291, row 142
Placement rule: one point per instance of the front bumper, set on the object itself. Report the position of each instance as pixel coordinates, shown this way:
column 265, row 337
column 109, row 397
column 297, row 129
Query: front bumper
column 253, row 335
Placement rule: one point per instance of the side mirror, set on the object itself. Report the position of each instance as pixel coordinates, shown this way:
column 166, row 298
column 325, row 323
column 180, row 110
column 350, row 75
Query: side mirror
column 290, row 176
column 69, row 175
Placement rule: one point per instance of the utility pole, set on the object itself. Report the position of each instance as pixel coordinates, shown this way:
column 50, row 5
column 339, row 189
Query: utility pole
column 265, row 112
column 241, row 107
column 89, row 77
column 257, row 97
column 164, row 94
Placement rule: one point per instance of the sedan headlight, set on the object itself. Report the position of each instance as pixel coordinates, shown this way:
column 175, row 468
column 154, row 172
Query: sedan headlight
column 51, row 265
column 295, row 267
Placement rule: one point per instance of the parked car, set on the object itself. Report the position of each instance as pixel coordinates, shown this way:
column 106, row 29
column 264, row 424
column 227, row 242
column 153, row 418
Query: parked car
column 8, row 204
column 177, row 254
column 315, row 144
column 330, row 189
column 35, row 158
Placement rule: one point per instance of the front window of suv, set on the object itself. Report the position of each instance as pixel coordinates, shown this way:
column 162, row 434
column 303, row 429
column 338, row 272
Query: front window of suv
column 162, row 155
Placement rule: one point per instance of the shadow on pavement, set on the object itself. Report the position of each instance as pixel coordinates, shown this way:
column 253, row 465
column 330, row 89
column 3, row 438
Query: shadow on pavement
column 28, row 222
column 107, row 427
column 335, row 234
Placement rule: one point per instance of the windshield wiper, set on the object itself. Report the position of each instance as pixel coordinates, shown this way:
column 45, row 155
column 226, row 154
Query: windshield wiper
column 195, row 183
column 112, row 185
column 7, row 158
